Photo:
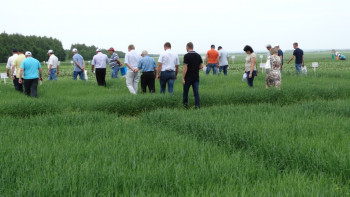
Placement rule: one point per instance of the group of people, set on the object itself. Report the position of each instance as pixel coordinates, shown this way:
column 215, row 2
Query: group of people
column 24, row 72
column 165, row 71
column 337, row 56
column 275, row 63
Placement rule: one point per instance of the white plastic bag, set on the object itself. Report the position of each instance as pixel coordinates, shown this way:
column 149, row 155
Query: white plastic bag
column 268, row 64
column 304, row 70
column 85, row 75
column 245, row 76
column 204, row 68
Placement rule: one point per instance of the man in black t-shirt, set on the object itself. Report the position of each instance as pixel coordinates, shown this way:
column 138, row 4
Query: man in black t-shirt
column 299, row 57
column 190, row 75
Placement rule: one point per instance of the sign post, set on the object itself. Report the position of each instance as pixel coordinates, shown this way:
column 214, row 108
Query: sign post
column 315, row 65
column 4, row 76
column 262, row 65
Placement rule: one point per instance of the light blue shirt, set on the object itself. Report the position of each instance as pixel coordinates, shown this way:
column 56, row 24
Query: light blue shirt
column 147, row 64
column 223, row 57
column 77, row 57
column 30, row 68
column 100, row 60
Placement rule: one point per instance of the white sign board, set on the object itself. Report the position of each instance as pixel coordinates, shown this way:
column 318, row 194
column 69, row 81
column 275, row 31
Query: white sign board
column 3, row 76
column 262, row 65
column 315, row 64
column 71, row 62
column 233, row 57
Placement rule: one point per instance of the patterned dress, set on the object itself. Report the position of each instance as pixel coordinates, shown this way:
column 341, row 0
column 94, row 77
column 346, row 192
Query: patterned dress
column 274, row 76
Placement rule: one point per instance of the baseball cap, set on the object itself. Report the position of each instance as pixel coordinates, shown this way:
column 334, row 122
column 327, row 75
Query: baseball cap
column 14, row 50
column 268, row 46
column 75, row 50
column 98, row 50
column 111, row 49
column 28, row 53
column 50, row 52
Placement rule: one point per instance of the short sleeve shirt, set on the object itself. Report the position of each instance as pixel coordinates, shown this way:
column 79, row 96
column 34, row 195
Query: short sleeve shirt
column 169, row 60
column 18, row 62
column 147, row 64
column 223, row 58
column 248, row 62
column 113, row 60
column 77, row 57
column 212, row 56
column 193, row 61
column 132, row 58
column 53, row 60
column 298, row 53
column 30, row 68
column 100, row 60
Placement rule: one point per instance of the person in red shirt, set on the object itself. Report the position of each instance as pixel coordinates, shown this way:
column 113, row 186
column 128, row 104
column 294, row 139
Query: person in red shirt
column 212, row 60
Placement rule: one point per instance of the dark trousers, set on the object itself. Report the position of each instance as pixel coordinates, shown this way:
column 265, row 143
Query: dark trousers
column 147, row 80
column 195, row 86
column 101, row 76
column 18, row 86
column 31, row 85
column 251, row 80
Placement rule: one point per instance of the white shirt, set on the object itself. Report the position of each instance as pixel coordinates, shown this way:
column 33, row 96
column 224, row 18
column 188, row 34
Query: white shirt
column 100, row 60
column 223, row 58
column 53, row 60
column 132, row 58
column 169, row 60
column 10, row 62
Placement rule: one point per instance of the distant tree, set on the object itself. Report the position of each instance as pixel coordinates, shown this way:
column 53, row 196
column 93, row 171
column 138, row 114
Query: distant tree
column 37, row 45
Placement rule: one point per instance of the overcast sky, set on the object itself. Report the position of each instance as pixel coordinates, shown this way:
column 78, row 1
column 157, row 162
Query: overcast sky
column 148, row 24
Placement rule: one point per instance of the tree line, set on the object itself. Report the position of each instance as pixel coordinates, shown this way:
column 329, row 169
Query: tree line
column 39, row 47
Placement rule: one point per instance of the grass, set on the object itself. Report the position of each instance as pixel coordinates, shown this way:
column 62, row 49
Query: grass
column 78, row 139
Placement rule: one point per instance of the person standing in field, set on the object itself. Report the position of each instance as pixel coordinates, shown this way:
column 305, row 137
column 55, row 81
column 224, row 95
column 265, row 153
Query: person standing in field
column 16, row 68
column 10, row 61
column 132, row 59
column 168, row 67
column 148, row 67
column 9, row 66
column 223, row 60
column 79, row 65
column 52, row 65
column 114, row 63
column 29, row 68
column 273, row 78
column 298, row 54
column 250, row 65
column 190, row 75
column 280, row 54
column 99, row 62
column 212, row 60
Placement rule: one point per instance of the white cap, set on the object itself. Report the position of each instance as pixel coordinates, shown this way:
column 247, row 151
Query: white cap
column 50, row 51
column 75, row 50
column 269, row 45
column 98, row 50
column 28, row 53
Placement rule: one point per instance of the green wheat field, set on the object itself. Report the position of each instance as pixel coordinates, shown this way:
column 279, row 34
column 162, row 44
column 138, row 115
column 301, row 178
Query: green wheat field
column 78, row 139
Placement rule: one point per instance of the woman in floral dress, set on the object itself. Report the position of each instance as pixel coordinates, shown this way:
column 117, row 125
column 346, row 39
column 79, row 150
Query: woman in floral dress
column 274, row 76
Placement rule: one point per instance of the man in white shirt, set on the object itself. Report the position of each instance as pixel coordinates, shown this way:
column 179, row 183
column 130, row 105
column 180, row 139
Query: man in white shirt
column 99, row 62
column 132, row 59
column 10, row 61
column 223, row 60
column 168, row 67
column 52, row 65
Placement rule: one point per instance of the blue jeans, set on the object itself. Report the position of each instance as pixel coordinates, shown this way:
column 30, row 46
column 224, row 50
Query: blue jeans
column 250, row 80
column 195, row 87
column 52, row 75
column 167, row 77
column 223, row 68
column 298, row 67
column 115, row 71
column 209, row 66
column 80, row 73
